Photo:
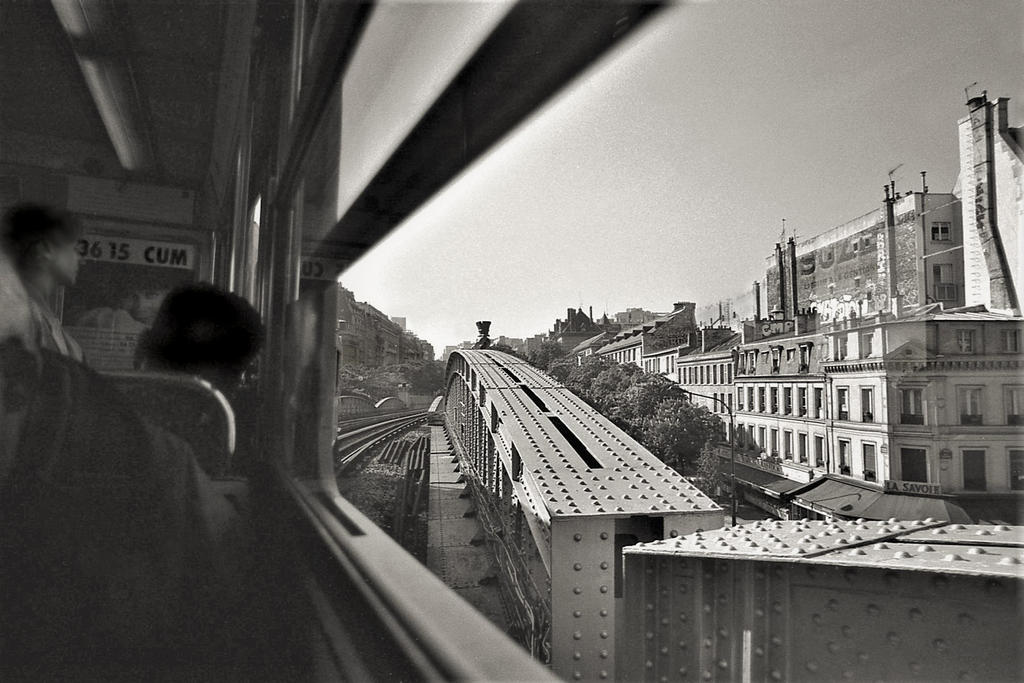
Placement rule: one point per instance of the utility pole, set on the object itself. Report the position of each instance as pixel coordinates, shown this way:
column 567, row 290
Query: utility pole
column 732, row 443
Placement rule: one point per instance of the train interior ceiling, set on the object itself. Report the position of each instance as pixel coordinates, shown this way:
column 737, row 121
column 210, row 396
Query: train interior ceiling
column 270, row 144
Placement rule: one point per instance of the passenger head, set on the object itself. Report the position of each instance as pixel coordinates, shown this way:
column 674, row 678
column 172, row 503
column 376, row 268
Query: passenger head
column 42, row 241
column 205, row 331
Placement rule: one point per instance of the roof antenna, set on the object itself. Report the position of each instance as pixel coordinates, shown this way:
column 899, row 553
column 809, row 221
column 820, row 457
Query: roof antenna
column 892, row 179
column 967, row 93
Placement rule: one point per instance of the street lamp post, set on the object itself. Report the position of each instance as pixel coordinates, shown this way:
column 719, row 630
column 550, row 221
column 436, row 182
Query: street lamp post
column 732, row 443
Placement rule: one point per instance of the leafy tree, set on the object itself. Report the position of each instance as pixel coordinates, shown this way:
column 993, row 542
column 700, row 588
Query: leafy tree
column 709, row 476
column 548, row 352
column 677, row 431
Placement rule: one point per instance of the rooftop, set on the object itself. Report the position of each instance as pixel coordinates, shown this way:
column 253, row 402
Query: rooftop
column 930, row 546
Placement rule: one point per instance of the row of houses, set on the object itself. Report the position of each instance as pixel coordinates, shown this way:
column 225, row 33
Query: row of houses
column 885, row 380
column 366, row 336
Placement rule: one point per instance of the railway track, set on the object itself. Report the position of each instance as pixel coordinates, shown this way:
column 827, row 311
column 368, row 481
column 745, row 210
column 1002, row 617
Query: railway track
column 353, row 444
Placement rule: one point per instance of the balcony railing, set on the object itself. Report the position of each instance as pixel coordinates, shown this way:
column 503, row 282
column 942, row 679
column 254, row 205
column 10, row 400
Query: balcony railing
column 869, row 475
column 844, row 469
column 911, row 418
column 1015, row 419
column 844, row 415
column 970, row 419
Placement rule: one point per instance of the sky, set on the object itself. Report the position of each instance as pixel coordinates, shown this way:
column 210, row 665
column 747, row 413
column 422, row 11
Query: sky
column 663, row 173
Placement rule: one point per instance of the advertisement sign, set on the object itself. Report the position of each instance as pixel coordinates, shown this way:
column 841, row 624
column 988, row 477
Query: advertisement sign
column 121, row 284
column 919, row 487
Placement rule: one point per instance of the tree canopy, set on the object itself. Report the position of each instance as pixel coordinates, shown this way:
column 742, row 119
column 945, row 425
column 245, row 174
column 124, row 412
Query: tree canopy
column 547, row 353
column 647, row 406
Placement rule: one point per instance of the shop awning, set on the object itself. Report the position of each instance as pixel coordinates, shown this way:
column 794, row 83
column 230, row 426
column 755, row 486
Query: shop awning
column 853, row 501
column 774, row 485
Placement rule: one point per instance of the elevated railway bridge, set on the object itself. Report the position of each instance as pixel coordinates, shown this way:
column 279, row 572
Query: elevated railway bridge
column 561, row 491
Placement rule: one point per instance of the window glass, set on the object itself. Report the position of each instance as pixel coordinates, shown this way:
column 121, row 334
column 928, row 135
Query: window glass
column 965, row 341
column 1014, row 405
column 911, row 411
column 940, row 231
column 867, row 404
column 869, row 462
column 1011, row 341
column 1017, row 469
column 974, row 470
column 969, row 399
column 913, row 464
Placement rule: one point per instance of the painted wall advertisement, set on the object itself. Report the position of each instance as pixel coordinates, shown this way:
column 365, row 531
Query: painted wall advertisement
column 121, row 284
column 844, row 279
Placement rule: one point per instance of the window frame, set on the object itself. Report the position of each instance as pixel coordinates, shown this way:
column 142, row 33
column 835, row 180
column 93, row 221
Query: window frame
column 984, row 469
column 963, row 392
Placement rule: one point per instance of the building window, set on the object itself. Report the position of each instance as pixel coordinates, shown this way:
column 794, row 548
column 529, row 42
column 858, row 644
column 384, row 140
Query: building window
column 1017, row 469
column 728, row 374
column 843, row 403
column 714, row 374
column 974, row 469
column 775, row 399
column 969, row 400
column 866, row 344
column 1011, row 341
column 940, row 231
column 870, row 473
column 1014, row 400
column 844, row 456
column 802, row 400
column 787, row 445
column 775, row 443
column 942, row 278
column 819, row 451
column 912, row 407
column 965, row 341
column 789, row 355
column 760, row 399
column 762, row 441
column 819, row 397
column 739, row 399
column 840, row 347
column 867, row 404
column 787, row 400
column 913, row 464
column 805, row 358
column 801, row 447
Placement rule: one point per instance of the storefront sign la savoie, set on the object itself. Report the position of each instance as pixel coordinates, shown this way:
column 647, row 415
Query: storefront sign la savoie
column 919, row 487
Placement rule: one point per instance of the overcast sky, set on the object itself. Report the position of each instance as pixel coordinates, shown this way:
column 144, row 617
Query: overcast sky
column 663, row 174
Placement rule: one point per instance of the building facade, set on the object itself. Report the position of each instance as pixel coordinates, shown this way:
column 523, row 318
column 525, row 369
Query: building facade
column 992, row 188
column 938, row 399
column 903, row 255
column 663, row 335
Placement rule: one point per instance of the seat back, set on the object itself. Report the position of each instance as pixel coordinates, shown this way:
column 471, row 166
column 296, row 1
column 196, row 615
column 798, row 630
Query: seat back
column 188, row 407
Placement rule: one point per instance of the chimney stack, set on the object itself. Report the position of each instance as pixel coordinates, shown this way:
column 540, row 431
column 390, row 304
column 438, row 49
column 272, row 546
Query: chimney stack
column 780, row 264
column 792, row 277
column 757, row 300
